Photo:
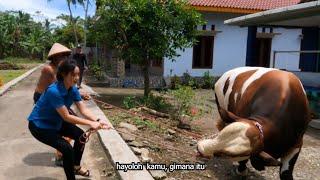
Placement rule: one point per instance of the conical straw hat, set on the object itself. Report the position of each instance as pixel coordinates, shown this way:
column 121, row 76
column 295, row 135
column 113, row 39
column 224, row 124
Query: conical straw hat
column 58, row 49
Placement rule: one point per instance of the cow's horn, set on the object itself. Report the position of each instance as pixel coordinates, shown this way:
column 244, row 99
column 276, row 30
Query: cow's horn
column 268, row 159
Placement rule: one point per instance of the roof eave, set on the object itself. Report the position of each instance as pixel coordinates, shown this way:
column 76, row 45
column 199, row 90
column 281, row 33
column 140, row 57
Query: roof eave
column 225, row 10
column 274, row 15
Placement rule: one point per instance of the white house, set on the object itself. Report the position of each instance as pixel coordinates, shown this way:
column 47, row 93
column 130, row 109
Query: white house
column 222, row 47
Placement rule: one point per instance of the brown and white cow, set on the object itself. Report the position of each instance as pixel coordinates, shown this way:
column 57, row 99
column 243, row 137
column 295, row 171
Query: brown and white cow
column 264, row 114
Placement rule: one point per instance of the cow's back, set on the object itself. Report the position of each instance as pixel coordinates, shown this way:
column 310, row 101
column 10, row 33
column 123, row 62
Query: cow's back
column 272, row 97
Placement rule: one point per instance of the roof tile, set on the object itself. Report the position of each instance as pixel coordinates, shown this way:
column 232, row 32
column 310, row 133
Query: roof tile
column 245, row 4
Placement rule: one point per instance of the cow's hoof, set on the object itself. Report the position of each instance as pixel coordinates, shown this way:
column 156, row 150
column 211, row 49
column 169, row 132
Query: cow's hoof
column 286, row 175
column 242, row 173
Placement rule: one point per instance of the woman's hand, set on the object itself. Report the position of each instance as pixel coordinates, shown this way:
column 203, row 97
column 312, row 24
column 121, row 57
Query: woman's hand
column 104, row 125
column 95, row 125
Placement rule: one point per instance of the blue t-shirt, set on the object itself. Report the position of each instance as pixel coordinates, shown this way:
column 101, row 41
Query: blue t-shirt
column 44, row 114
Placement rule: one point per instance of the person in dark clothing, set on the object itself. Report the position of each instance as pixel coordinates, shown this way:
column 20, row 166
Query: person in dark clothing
column 50, row 119
column 82, row 63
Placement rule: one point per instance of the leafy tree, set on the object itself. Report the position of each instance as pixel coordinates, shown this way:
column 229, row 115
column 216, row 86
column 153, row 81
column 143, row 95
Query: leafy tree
column 143, row 30
column 65, row 33
column 21, row 36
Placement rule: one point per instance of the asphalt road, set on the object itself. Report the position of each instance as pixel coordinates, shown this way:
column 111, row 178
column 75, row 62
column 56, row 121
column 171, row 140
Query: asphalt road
column 22, row 156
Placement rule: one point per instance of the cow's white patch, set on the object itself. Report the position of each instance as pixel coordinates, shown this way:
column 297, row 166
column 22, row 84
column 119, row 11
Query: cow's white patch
column 232, row 139
column 260, row 72
column 232, row 75
column 235, row 98
column 285, row 160
column 302, row 87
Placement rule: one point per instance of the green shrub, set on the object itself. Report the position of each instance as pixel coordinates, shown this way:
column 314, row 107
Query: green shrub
column 157, row 103
column 130, row 102
column 208, row 81
column 97, row 71
column 175, row 82
column 184, row 97
column 139, row 122
column 188, row 80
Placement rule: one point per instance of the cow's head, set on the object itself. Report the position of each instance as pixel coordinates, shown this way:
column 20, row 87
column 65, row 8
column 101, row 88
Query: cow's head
column 239, row 140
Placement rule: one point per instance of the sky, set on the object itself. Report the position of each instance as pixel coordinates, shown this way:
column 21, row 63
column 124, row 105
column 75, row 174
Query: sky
column 42, row 9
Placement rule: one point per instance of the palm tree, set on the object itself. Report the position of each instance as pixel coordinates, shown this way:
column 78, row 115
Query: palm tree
column 85, row 7
column 69, row 3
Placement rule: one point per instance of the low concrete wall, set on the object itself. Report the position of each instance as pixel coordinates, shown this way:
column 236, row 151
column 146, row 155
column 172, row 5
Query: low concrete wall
column 315, row 123
column 115, row 146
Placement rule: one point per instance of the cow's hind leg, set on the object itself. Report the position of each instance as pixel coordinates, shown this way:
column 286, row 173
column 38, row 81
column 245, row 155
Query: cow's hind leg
column 288, row 163
column 242, row 168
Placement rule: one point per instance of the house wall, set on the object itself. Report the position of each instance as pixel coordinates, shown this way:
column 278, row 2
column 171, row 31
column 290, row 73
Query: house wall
column 229, row 49
column 288, row 40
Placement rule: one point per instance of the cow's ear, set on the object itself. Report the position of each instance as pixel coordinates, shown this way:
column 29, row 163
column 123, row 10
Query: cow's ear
column 268, row 159
column 228, row 116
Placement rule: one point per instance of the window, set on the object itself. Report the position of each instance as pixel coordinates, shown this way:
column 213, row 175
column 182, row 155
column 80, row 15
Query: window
column 203, row 53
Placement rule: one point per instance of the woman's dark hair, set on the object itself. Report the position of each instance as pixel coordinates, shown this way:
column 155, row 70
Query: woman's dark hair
column 65, row 68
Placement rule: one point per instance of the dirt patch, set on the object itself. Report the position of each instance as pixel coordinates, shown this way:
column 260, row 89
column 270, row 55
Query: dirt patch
column 156, row 131
column 98, row 161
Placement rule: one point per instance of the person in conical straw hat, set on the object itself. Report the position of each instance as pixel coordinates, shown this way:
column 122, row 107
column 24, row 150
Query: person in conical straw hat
column 56, row 55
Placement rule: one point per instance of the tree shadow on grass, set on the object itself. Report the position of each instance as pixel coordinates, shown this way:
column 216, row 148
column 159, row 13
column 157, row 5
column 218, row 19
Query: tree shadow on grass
column 40, row 159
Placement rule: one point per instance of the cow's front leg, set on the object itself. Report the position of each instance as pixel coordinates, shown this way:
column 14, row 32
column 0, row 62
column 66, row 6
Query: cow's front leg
column 242, row 168
column 288, row 163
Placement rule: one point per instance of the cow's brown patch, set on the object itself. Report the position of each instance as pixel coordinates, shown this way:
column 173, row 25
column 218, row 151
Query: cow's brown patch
column 236, row 89
column 226, row 86
column 256, row 139
column 220, row 124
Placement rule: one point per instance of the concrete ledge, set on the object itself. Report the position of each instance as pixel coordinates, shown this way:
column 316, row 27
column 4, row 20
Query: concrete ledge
column 11, row 83
column 89, row 90
column 116, row 148
column 315, row 123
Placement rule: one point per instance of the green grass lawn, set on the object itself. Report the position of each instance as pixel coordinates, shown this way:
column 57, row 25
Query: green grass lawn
column 25, row 63
column 19, row 60
column 8, row 75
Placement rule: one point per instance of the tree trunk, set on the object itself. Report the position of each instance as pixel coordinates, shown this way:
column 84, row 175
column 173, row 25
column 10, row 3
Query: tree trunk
column 1, row 52
column 73, row 24
column 146, row 77
column 85, row 6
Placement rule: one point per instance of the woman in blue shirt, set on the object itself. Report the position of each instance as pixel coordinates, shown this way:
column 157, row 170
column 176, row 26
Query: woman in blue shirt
column 50, row 119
